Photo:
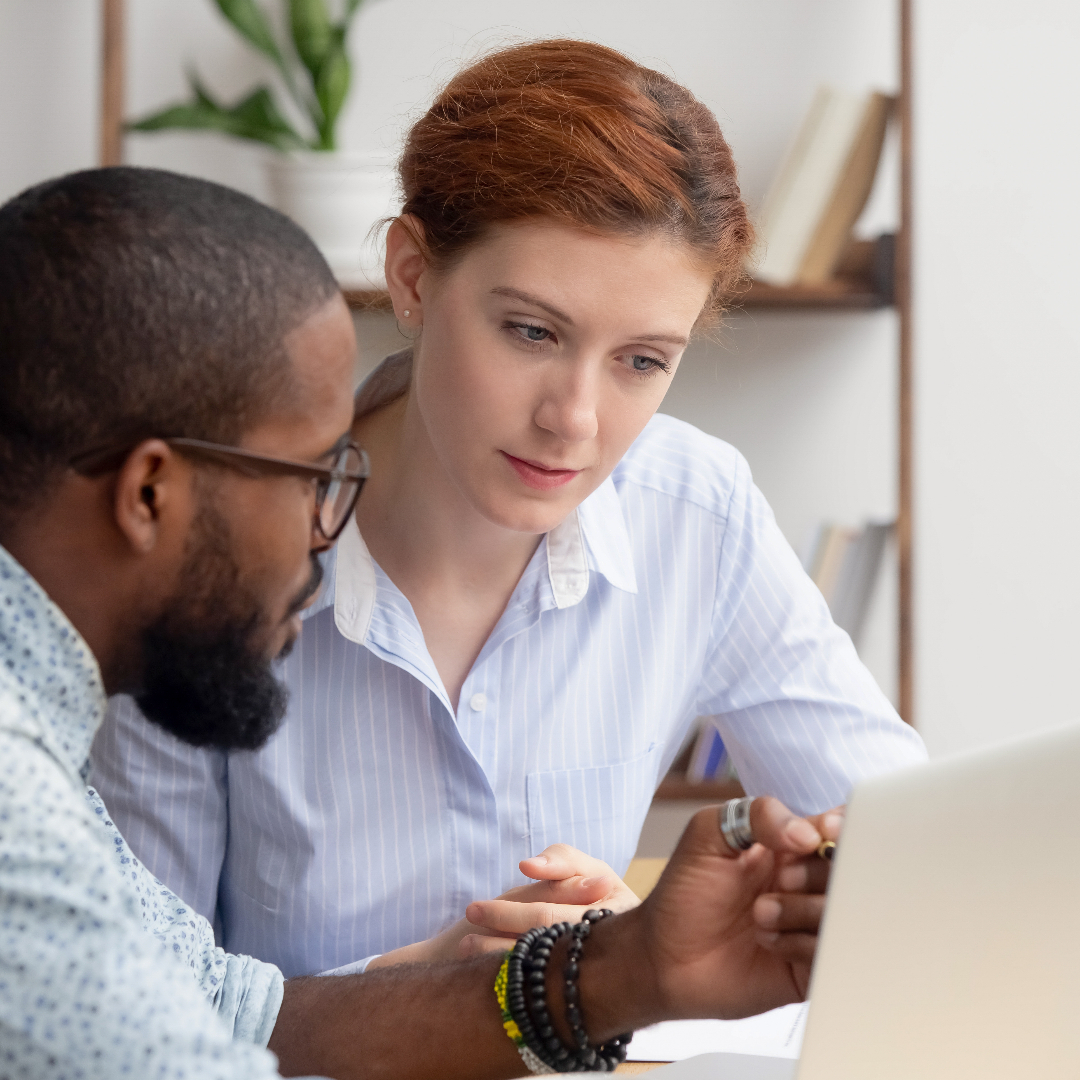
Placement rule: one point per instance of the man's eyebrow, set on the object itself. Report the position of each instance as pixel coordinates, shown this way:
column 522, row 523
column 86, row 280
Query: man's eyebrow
column 528, row 298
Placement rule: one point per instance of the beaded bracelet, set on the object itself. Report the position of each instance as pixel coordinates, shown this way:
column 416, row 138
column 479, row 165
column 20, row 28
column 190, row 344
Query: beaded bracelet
column 521, row 990
column 532, row 1062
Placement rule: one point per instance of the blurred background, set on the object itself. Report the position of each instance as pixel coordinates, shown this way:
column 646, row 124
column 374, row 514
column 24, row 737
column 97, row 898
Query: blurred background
column 810, row 392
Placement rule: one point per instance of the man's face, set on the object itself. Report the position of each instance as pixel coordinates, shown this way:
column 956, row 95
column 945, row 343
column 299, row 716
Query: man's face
column 250, row 564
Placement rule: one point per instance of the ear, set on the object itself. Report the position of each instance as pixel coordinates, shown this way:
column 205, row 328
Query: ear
column 406, row 261
column 153, row 483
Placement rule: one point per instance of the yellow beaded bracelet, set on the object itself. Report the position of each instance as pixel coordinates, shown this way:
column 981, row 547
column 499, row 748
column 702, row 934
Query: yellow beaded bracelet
column 513, row 1032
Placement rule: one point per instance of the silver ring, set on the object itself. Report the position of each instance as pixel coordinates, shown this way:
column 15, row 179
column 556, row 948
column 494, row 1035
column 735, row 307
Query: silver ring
column 735, row 823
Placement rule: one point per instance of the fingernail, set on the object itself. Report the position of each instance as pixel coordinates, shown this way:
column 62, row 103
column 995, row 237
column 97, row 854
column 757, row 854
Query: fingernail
column 802, row 833
column 591, row 882
column 541, row 859
column 767, row 912
column 832, row 824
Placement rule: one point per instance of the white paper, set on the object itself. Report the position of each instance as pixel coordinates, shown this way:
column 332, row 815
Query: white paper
column 728, row 1067
column 777, row 1034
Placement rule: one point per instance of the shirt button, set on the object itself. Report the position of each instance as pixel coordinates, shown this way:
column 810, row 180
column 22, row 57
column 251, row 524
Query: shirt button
column 478, row 702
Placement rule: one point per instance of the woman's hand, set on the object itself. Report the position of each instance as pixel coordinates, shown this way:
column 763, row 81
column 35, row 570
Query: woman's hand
column 567, row 882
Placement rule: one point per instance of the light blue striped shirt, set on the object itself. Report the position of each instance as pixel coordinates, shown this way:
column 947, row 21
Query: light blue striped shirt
column 378, row 812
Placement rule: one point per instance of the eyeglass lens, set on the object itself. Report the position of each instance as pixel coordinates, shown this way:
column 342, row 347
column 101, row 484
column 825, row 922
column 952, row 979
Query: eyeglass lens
column 340, row 495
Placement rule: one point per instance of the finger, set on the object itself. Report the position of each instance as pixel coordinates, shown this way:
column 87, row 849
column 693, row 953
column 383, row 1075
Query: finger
column 479, row 944
column 775, row 826
column 789, row 911
column 830, row 823
column 508, row 917
column 563, row 861
column 795, row 948
column 572, row 890
column 809, row 875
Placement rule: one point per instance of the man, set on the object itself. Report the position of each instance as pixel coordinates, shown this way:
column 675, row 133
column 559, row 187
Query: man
column 175, row 370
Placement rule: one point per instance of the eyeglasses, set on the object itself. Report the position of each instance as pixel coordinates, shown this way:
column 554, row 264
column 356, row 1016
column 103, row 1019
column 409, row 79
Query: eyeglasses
column 337, row 487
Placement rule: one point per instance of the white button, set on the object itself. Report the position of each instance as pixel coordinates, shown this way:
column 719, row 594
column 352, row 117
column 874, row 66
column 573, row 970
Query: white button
column 478, row 702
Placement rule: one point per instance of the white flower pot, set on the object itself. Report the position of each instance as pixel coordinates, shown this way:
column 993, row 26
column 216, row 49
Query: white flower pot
column 338, row 198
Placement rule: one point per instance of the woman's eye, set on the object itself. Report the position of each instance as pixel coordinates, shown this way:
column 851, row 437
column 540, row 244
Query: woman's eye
column 532, row 333
column 646, row 364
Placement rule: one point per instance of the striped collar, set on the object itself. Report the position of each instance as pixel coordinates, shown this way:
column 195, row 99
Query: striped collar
column 593, row 537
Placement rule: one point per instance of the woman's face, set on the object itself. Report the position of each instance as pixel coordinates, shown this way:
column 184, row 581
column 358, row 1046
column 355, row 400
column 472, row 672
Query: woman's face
column 543, row 354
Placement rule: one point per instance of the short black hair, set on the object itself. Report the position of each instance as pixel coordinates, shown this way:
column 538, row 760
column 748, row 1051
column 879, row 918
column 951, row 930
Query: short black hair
column 137, row 303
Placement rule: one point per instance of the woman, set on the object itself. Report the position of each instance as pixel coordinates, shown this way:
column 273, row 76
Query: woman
column 546, row 582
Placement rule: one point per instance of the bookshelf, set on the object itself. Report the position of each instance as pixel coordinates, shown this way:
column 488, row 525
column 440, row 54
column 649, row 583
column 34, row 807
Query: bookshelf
column 841, row 294
column 858, row 287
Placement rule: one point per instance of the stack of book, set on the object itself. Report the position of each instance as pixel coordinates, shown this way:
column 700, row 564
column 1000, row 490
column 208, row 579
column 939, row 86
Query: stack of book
column 811, row 208
column 844, row 564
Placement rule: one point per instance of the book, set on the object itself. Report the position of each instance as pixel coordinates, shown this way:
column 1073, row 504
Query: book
column 845, row 564
column 709, row 759
column 822, row 186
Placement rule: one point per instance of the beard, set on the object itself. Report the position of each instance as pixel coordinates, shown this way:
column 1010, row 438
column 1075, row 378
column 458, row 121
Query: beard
column 205, row 677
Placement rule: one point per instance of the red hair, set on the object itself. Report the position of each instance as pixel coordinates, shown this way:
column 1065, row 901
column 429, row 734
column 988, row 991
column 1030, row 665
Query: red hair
column 579, row 133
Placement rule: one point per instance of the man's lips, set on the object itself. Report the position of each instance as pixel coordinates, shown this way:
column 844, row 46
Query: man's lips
column 539, row 476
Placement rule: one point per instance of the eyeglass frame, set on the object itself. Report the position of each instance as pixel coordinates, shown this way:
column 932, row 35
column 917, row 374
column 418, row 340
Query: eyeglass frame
column 253, row 464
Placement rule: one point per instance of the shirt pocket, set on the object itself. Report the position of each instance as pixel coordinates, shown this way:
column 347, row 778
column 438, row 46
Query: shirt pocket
column 599, row 809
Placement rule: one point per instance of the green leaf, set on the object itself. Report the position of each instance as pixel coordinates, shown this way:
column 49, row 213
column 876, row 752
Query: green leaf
column 198, row 88
column 312, row 32
column 331, row 88
column 256, row 117
column 350, row 10
column 249, row 19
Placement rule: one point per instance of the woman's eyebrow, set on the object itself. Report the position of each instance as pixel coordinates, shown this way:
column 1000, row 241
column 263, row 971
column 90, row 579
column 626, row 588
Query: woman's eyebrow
column 671, row 339
column 528, row 298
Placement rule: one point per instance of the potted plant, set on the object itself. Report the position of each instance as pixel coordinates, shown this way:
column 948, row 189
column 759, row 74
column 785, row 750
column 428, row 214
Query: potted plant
column 335, row 195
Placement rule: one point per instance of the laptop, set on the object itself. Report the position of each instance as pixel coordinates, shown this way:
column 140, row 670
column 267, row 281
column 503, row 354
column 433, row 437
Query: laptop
column 950, row 948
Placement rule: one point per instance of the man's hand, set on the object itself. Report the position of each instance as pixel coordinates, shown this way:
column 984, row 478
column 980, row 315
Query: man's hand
column 567, row 882
column 723, row 934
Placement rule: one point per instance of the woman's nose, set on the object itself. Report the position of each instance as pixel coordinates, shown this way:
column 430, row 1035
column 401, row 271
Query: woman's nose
column 569, row 408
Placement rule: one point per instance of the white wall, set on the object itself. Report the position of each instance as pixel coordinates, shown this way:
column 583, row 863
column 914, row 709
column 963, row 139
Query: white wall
column 809, row 398
column 998, row 375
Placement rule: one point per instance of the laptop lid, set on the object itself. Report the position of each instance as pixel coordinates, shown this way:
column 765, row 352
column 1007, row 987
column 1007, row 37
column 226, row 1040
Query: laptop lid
column 951, row 941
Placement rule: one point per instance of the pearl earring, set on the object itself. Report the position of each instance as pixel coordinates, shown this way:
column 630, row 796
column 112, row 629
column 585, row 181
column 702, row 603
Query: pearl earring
column 406, row 313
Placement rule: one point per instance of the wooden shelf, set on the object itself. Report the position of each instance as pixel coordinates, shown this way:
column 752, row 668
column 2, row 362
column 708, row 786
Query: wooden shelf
column 843, row 294
column 368, row 299
column 675, row 786
column 860, row 286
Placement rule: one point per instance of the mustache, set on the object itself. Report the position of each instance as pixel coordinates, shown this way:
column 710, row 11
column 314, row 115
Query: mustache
column 314, row 583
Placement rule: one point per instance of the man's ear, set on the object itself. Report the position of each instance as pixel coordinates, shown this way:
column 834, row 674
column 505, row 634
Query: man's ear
column 406, row 261
column 151, row 481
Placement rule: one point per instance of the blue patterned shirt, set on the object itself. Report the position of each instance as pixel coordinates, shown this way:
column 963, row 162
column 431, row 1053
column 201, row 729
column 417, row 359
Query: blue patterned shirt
column 104, row 972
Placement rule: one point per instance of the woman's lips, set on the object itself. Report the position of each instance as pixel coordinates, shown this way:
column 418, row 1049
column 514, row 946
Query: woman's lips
column 537, row 476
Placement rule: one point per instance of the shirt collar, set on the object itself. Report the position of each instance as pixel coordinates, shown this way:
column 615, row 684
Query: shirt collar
column 593, row 537
column 50, row 683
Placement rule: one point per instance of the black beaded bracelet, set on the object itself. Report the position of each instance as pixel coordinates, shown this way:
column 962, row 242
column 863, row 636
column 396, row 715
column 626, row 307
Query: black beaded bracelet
column 527, row 1000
